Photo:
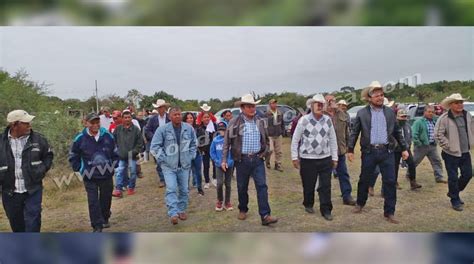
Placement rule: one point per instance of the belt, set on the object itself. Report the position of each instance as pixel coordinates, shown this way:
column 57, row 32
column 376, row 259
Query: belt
column 378, row 146
column 251, row 155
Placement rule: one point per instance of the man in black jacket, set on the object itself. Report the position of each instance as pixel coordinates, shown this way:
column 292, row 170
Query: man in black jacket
column 379, row 135
column 25, row 157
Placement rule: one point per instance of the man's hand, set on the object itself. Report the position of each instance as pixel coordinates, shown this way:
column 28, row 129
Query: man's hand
column 224, row 166
column 296, row 164
column 405, row 155
column 350, row 156
column 334, row 164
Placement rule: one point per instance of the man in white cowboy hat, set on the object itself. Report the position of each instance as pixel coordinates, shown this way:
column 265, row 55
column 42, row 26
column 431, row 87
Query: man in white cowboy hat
column 247, row 137
column 314, row 152
column 380, row 134
column 454, row 132
column 341, row 121
column 25, row 157
column 154, row 122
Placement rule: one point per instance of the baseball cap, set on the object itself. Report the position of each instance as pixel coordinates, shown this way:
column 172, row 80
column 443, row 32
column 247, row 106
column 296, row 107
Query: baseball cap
column 92, row 116
column 19, row 115
column 221, row 126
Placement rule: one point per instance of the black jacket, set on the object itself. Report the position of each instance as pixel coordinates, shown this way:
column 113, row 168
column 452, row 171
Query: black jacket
column 37, row 159
column 362, row 125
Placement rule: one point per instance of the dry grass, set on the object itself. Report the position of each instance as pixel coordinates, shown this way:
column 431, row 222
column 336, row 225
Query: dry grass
column 426, row 210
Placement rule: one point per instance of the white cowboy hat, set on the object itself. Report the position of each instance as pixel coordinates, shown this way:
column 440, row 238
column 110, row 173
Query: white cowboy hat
column 246, row 99
column 452, row 98
column 205, row 108
column 160, row 103
column 317, row 98
column 19, row 116
column 342, row 102
column 388, row 103
column 374, row 85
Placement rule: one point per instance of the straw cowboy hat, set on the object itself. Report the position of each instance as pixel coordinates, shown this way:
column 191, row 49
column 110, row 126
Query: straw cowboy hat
column 246, row 99
column 375, row 85
column 160, row 103
column 342, row 102
column 205, row 108
column 317, row 98
column 452, row 98
column 388, row 103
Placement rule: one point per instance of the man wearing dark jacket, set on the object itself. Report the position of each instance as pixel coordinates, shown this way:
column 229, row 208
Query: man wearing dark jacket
column 158, row 120
column 247, row 139
column 379, row 134
column 129, row 143
column 25, row 157
column 276, row 129
column 94, row 155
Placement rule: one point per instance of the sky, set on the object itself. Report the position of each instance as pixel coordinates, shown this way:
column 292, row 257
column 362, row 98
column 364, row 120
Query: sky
column 225, row 62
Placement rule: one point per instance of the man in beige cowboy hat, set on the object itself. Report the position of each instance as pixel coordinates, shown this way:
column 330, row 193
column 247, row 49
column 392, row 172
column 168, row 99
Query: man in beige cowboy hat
column 380, row 134
column 155, row 121
column 454, row 132
column 247, row 137
column 341, row 121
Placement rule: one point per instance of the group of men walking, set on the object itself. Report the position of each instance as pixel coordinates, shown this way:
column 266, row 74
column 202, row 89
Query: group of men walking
column 321, row 141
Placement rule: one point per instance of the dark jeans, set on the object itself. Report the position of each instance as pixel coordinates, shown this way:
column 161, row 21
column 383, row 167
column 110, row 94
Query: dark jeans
column 310, row 170
column 23, row 210
column 252, row 167
column 410, row 162
column 344, row 178
column 196, row 169
column 206, row 161
column 224, row 177
column 455, row 184
column 99, row 197
column 385, row 160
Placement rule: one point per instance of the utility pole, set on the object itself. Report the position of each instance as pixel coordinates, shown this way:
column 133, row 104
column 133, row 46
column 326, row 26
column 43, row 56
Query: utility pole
column 96, row 97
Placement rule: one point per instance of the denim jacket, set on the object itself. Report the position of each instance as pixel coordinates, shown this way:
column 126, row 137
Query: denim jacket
column 164, row 146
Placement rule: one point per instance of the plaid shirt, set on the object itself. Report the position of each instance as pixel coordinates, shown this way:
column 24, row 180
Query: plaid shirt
column 378, row 132
column 431, row 125
column 251, row 138
column 17, row 145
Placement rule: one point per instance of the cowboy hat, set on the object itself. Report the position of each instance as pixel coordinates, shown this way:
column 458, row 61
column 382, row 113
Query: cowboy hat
column 317, row 98
column 342, row 102
column 246, row 99
column 160, row 103
column 375, row 85
column 452, row 98
column 205, row 108
column 388, row 103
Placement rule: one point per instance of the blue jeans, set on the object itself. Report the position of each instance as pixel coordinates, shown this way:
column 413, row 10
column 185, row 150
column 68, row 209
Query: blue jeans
column 23, row 210
column 196, row 168
column 159, row 171
column 343, row 177
column 176, row 190
column 386, row 162
column 121, row 177
column 455, row 184
column 252, row 167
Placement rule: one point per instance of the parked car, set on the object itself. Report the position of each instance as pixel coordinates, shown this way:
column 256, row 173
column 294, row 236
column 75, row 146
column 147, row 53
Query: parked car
column 416, row 113
column 289, row 113
column 469, row 106
column 353, row 112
